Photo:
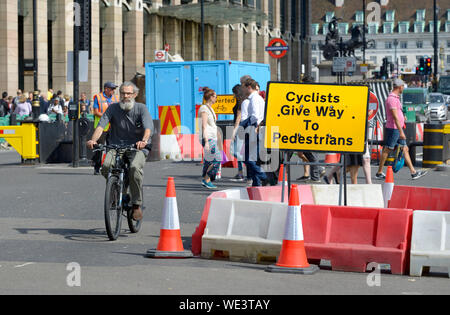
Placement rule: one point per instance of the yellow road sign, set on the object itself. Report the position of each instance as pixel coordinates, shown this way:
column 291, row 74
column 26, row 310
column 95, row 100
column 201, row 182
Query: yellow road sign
column 316, row 117
column 224, row 104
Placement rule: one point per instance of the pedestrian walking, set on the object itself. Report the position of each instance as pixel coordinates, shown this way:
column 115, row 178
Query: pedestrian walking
column 254, row 116
column 209, row 137
column 394, row 135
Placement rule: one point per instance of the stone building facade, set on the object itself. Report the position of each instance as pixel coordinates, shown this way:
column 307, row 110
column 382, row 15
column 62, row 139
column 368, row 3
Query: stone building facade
column 126, row 33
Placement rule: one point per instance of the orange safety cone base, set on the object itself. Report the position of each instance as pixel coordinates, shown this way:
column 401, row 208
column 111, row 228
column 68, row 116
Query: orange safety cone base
column 293, row 255
column 312, row 269
column 169, row 246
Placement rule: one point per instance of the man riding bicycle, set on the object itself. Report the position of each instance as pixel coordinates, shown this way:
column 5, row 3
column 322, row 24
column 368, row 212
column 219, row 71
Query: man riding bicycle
column 131, row 123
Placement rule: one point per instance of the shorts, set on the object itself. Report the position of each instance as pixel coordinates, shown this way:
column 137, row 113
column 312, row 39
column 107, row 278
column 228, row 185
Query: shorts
column 393, row 138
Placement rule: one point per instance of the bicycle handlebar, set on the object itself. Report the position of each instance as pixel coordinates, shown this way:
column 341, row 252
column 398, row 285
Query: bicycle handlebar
column 100, row 147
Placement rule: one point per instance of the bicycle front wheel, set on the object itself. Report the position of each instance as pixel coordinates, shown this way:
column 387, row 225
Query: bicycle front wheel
column 113, row 208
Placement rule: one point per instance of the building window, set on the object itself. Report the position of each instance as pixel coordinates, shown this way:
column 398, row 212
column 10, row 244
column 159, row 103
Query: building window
column 359, row 18
column 329, row 16
column 432, row 26
column 448, row 59
column 388, row 27
column 314, row 29
column 419, row 44
column 325, row 28
column 373, row 59
column 447, row 27
column 448, row 44
column 388, row 45
column 343, row 28
column 420, row 15
column 314, row 61
column 313, row 47
column 419, row 27
column 448, row 14
column 373, row 28
column 403, row 27
column 404, row 60
column 390, row 15
column 404, row 45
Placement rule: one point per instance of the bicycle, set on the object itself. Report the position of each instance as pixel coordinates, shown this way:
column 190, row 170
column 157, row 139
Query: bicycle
column 117, row 198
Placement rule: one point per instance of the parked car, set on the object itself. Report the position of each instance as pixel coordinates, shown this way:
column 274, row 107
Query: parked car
column 417, row 100
column 438, row 106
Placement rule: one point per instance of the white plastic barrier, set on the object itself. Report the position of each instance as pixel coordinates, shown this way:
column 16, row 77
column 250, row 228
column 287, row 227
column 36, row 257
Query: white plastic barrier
column 243, row 230
column 240, row 194
column 169, row 148
column 357, row 195
column 430, row 241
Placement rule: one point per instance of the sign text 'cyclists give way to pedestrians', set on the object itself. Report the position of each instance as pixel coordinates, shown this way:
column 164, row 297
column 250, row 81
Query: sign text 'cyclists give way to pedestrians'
column 316, row 117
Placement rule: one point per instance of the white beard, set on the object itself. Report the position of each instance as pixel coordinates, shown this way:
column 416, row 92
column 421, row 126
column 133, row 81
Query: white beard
column 127, row 106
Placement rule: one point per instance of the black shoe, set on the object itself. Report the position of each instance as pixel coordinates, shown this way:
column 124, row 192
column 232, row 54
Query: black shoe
column 325, row 179
column 96, row 172
column 303, row 178
column 418, row 174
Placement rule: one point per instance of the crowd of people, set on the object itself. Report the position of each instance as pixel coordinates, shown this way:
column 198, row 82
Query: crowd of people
column 249, row 113
column 49, row 103
column 248, row 116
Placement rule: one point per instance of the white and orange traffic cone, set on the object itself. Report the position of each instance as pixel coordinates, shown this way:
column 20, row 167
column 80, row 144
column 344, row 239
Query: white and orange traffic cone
column 388, row 186
column 280, row 176
column 292, row 257
column 170, row 244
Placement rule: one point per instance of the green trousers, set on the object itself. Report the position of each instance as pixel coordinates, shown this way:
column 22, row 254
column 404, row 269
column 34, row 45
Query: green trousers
column 135, row 174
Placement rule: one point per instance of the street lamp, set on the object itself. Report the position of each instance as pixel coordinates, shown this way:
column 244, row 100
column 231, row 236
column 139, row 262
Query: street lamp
column 395, row 55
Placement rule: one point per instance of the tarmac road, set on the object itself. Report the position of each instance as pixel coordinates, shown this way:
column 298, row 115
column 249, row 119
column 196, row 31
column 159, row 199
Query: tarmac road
column 51, row 216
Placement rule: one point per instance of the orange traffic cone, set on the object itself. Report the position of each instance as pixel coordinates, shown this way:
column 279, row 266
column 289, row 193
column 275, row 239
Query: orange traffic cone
column 280, row 176
column 332, row 158
column 388, row 186
column 292, row 257
column 170, row 245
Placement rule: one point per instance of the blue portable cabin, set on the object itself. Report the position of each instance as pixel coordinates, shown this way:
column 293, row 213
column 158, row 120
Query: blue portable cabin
column 181, row 83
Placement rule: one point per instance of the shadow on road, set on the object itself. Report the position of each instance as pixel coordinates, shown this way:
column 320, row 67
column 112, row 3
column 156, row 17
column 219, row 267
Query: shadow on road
column 92, row 235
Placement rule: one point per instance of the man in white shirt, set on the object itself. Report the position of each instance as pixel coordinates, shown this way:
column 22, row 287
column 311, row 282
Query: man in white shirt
column 254, row 116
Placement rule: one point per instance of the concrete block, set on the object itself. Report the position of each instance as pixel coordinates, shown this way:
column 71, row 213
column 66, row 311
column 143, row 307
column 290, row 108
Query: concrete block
column 357, row 195
column 243, row 230
column 430, row 241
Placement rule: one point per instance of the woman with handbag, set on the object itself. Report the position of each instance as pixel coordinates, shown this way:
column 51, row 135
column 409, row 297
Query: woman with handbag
column 209, row 136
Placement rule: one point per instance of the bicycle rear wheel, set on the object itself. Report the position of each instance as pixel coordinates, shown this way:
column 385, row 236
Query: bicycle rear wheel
column 113, row 210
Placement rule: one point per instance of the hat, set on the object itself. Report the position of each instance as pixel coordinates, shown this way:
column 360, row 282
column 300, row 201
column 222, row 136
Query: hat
column 110, row 85
column 398, row 82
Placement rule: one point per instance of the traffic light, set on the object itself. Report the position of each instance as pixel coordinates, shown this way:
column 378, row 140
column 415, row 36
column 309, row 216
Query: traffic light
column 428, row 67
column 421, row 69
column 384, row 69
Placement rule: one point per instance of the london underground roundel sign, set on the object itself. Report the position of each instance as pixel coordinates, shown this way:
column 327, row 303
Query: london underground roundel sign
column 277, row 48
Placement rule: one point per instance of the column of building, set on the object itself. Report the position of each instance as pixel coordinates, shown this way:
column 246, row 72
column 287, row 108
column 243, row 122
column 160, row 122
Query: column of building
column 237, row 42
column 42, row 45
column 250, row 43
column 275, row 30
column 172, row 32
column 93, row 86
column 263, row 37
column 62, row 42
column 112, row 43
column 223, row 42
column 9, row 50
column 153, row 39
column 134, row 46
